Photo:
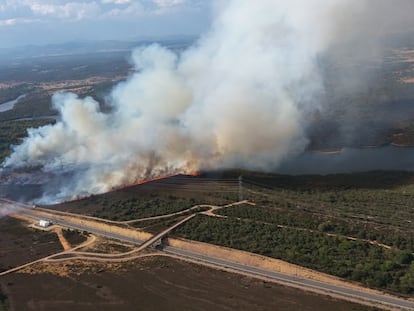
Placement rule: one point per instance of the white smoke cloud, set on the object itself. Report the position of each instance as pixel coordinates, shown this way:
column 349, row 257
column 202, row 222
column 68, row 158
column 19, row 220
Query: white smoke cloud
column 239, row 97
column 8, row 208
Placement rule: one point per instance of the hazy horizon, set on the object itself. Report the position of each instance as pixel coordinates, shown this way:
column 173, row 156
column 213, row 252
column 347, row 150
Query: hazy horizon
column 44, row 22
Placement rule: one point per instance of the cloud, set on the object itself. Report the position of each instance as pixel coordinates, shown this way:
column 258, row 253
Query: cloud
column 15, row 21
column 22, row 11
column 71, row 10
column 163, row 7
column 168, row 3
column 131, row 10
column 8, row 22
column 115, row 1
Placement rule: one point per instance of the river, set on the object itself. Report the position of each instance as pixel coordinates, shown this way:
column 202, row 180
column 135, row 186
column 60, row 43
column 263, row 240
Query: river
column 10, row 104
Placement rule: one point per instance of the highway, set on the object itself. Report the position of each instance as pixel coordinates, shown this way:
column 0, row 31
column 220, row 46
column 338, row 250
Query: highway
column 340, row 291
column 82, row 227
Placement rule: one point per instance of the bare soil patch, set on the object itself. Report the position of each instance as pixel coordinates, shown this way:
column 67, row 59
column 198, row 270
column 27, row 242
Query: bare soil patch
column 107, row 246
column 20, row 244
column 157, row 284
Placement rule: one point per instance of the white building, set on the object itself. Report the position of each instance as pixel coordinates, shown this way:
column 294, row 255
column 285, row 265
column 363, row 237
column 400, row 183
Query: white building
column 44, row 223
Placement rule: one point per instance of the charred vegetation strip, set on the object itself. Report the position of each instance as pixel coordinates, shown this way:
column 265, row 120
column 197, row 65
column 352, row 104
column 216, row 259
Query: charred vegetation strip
column 3, row 300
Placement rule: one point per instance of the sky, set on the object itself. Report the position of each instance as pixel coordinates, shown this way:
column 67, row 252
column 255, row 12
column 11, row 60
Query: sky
column 42, row 22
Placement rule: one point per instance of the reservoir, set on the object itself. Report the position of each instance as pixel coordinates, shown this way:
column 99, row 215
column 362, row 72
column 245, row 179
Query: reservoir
column 350, row 160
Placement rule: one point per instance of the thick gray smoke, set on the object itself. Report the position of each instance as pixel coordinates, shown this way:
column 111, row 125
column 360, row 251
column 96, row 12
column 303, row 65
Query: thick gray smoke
column 239, row 98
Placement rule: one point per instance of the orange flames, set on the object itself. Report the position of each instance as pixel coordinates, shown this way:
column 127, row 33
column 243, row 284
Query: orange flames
column 141, row 182
column 144, row 182
column 194, row 174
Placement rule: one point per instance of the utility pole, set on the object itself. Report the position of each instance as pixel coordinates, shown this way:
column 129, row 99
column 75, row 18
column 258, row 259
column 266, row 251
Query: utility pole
column 240, row 188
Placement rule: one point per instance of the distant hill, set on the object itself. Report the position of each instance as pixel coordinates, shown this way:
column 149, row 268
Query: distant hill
column 89, row 47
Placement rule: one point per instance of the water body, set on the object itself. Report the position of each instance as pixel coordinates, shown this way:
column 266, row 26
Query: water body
column 34, row 185
column 10, row 104
column 56, row 118
column 350, row 160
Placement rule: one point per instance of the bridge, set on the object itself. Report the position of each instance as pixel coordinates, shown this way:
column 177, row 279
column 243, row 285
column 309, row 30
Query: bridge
column 161, row 235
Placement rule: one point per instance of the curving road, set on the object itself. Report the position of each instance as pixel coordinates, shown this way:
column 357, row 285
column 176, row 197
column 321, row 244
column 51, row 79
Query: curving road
column 384, row 300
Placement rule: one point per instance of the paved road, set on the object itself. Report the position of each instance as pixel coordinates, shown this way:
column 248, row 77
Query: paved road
column 339, row 290
column 158, row 236
column 121, row 222
column 307, row 283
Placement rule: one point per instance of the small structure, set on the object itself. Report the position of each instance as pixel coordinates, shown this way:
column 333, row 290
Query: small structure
column 44, row 223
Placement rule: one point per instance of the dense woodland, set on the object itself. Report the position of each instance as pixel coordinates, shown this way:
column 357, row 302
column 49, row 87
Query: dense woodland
column 150, row 205
column 357, row 260
column 343, row 225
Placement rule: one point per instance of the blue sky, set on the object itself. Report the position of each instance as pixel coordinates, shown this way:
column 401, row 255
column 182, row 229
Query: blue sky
column 52, row 21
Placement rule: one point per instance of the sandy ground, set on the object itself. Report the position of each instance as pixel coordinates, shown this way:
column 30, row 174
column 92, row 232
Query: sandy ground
column 65, row 244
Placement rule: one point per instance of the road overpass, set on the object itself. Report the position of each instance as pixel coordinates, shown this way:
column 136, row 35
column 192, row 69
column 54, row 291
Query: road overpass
column 159, row 236
column 387, row 301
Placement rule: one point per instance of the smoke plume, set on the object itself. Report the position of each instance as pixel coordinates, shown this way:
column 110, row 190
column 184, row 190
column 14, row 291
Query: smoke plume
column 240, row 97
column 7, row 208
